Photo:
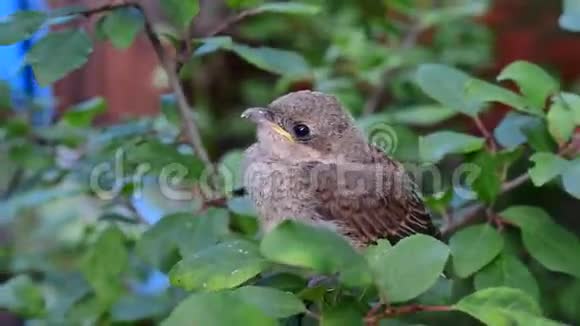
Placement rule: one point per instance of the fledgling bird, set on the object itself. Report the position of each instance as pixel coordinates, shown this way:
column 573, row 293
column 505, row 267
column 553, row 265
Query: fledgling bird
column 312, row 164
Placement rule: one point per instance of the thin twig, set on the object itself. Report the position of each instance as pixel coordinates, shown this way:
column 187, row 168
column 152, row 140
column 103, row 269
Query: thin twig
column 312, row 314
column 471, row 213
column 465, row 216
column 486, row 133
column 408, row 42
column 185, row 49
column 371, row 316
column 231, row 21
column 191, row 128
column 403, row 310
column 105, row 8
column 512, row 184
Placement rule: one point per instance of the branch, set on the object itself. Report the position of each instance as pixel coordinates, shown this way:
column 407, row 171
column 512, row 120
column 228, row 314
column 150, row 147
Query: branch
column 185, row 50
column 466, row 216
column 105, row 8
column 191, row 129
column 373, row 318
column 486, row 133
column 233, row 20
column 472, row 212
column 408, row 42
column 312, row 314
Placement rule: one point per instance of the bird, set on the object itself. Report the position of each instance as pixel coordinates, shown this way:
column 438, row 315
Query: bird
column 311, row 163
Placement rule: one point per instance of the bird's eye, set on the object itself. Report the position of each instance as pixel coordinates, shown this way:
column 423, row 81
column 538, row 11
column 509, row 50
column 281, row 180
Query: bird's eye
column 301, row 131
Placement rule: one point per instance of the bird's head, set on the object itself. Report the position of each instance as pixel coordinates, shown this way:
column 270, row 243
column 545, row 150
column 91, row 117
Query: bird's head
column 306, row 125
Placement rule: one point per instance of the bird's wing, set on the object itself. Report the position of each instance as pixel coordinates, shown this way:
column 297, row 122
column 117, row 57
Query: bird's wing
column 368, row 204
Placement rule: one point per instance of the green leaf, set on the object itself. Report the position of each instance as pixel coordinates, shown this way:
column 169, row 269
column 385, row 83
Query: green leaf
column 549, row 243
column 273, row 302
column 445, row 14
column 345, row 313
column 105, row 262
column 503, row 306
column 487, row 92
column 572, row 102
column 374, row 254
column 487, row 184
column 538, row 136
column 278, row 61
column 237, row 4
column 222, row 266
column 436, row 146
column 508, row 271
column 474, row 247
column 296, row 244
column 282, row 62
column 132, row 308
column 289, row 8
column 570, row 18
column 561, row 120
column 171, row 165
column 22, row 296
column 440, row 201
column 570, row 178
column 20, row 26
column 568, row 300
column 242, row 206
column 410, row 268
column 213, row 44
column 230, row 167
column 183, row 232
column 83, row 114
column 87, row 311
column 546, row 167
column 510, row 132
column 180, row 12
column 446, row 85
column 534, row 83
column 170, row 110
column 122, row 26
column 422, row 115
column 57, row 54
column 224, row 308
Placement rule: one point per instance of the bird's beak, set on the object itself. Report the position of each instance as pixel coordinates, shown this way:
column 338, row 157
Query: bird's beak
column 264, row 116
column 257, row 115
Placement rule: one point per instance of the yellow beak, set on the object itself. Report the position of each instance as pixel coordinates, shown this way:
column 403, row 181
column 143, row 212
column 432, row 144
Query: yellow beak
column 260, row 116
column 282, row 132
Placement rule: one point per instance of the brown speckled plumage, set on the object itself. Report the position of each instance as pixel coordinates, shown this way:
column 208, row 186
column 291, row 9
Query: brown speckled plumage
column 332, row 177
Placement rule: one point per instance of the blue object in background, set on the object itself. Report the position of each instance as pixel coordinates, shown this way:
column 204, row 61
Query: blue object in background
column 25, row 88
column 17, row 75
